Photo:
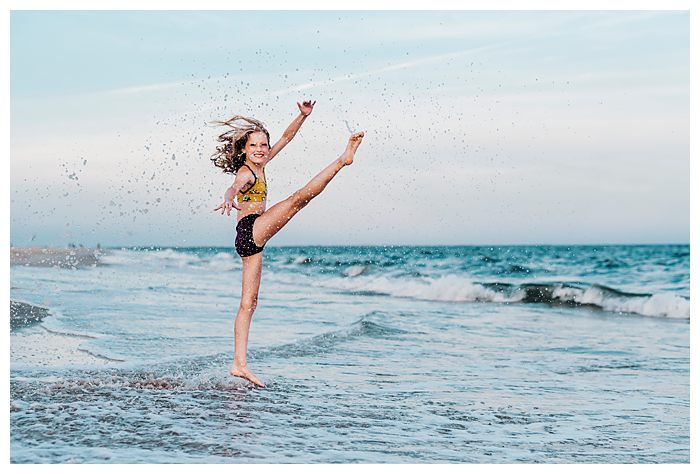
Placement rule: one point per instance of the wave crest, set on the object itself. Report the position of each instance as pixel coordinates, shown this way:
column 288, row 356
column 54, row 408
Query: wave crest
column 458, row 289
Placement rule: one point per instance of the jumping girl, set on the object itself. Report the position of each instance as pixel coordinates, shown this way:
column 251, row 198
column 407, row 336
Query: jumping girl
column 245, row 153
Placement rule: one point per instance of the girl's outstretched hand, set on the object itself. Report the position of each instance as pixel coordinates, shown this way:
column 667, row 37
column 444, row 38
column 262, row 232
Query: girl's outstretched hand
column 226, row 206
column 306, row 107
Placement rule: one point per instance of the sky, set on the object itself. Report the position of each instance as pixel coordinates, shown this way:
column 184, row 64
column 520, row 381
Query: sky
column 482, row 127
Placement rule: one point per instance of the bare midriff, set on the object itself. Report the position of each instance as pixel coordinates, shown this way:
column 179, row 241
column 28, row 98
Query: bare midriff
column 250, row 208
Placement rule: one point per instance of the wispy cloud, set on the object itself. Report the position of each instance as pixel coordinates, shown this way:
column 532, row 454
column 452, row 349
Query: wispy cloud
column 439, row 58
column 146, row 88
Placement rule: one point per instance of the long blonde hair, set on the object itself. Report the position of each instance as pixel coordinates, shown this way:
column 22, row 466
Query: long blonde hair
column 230, row 156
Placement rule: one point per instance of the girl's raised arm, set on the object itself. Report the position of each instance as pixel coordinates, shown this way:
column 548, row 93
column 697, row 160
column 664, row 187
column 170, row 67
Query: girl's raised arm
column 305, row 109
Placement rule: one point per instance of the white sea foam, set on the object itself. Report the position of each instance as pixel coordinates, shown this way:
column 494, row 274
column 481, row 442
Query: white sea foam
column 223, row 262
column 446, row 288
column 119, row 257
column 355, row 270
column 661, row 304
column 172, row 257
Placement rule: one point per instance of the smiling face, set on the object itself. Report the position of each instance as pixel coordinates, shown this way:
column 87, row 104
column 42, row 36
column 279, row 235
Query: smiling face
column 257, row 148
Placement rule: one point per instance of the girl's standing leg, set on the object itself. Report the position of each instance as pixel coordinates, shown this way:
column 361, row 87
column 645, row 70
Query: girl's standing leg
column 252, row 270
column 272, row 220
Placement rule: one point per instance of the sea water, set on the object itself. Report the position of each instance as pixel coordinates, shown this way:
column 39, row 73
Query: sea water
column 522, row 354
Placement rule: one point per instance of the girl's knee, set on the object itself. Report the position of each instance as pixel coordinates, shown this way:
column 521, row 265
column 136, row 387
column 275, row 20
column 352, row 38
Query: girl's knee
column 297, row 198
column 249, row 304
column 301, row 198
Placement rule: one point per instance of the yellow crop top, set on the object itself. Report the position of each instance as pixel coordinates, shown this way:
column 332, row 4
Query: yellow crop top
column 256, row 193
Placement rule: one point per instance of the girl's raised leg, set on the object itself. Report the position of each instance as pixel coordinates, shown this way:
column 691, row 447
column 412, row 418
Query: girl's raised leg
column 272, row 220
column 252, row 270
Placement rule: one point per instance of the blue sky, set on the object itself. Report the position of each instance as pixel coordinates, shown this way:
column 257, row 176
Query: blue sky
column 482, row 127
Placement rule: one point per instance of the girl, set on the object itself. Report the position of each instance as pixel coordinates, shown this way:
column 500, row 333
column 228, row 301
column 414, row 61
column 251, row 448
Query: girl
column 245, row 153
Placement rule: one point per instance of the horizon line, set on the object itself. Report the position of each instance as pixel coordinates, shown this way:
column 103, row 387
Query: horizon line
column 153, row 246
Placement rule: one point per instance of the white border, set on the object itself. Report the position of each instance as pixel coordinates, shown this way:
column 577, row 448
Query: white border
column 372, row 5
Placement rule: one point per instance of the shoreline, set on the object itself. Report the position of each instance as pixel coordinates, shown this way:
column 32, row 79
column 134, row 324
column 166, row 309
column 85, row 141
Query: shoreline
column 39, row 346
column 34, row 344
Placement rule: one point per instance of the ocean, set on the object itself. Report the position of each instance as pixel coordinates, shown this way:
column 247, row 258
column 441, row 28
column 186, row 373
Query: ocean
column 465, row 354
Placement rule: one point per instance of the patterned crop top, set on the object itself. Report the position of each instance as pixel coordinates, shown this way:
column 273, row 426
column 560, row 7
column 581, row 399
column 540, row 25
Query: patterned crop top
column 255, row 193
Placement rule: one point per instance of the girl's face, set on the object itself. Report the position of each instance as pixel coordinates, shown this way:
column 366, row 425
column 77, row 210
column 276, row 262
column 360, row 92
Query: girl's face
column 257, row 148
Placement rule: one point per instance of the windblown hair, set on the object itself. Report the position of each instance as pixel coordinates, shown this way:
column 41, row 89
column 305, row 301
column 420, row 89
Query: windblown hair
column 230, row 156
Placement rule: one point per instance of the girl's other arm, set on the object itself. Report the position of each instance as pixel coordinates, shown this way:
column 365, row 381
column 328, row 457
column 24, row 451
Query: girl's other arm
column 241, row 181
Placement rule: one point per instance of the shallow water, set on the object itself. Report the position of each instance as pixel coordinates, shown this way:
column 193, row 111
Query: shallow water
column 401, row 354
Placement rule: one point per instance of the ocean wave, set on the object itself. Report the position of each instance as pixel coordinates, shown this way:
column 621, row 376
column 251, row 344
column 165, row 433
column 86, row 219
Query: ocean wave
column 457, row 289
column 661, row 304
column 118, row 257
column 446, row 288
column 172, row 257
column 366, row 326
column 223, row 261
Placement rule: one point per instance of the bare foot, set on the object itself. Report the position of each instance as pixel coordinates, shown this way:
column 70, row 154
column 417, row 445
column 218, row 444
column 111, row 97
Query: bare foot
column 353, row 143
column 243, row 372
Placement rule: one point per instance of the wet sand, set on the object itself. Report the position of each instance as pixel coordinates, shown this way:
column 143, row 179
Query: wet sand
column 25, row 314
column 55, row 256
